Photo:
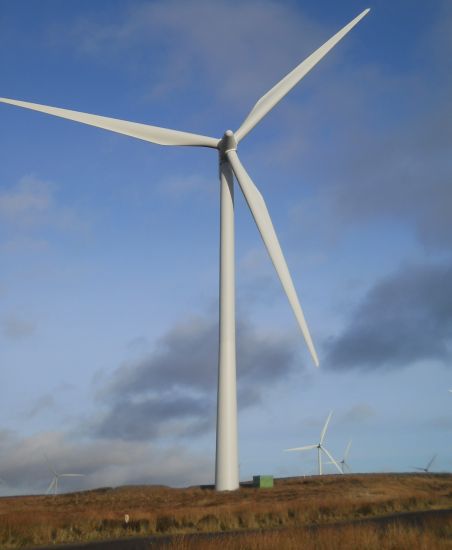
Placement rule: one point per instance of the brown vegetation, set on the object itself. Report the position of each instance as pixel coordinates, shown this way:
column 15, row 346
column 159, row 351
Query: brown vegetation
column 430, row 534
column 291, row 504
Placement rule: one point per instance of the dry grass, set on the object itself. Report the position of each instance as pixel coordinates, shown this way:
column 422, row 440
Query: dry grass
column 431, row 534
column 294, row 502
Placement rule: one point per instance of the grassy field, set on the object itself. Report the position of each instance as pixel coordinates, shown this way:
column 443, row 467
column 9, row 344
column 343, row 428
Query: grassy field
column 281, row 513
column 426, row 534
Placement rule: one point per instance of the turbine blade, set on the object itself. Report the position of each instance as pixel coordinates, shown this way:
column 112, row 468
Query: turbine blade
column 332, row 459
column 72, row 475
column 274, row 96
column 49, row 488
column 431, row 462
column 305, row 448
column 51, row 468
column 347, row 450
column 264, row 223
column 154, row 134
column 322, row 435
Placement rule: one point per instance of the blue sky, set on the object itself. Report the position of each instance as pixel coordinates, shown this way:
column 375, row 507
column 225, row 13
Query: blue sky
column 109, row 245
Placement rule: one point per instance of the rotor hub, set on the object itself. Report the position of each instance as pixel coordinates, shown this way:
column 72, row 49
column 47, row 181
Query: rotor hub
column 227, row 143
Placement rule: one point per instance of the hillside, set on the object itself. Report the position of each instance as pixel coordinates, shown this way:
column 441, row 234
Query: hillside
column 158, row 510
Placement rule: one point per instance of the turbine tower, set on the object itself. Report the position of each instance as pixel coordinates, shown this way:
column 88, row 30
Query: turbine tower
column 320, row 448
column 226, row 469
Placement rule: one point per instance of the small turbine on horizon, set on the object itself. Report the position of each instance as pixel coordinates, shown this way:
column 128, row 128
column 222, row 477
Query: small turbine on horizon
column 427, row 468
column 343, row 463
column 320, row 448
column 56, row 476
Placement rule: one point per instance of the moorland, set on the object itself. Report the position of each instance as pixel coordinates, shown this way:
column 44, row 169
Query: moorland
column 322, row 512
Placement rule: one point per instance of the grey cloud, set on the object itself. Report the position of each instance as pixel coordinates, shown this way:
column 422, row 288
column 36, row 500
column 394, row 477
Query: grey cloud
column 161, row 415
column 24, row 468
column 14, row 328
column 173, row 390
column 405, row 177
column 44, row 403
column 443, row 423
column 404, row 318
column 401, row 140
column 378, row 146
column 357, row 414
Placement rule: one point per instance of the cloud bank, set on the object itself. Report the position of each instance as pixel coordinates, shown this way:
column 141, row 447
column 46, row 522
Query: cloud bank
column 172, row 391
column 24, row 467
column 404, row 318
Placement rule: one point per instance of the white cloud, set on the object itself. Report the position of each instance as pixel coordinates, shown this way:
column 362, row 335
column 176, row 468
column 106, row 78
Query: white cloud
column 30, row 207
column 180, row 187
column 208, row 42
column 27, row 202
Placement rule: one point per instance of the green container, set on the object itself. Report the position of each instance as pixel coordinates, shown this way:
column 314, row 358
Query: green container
column 263, row 482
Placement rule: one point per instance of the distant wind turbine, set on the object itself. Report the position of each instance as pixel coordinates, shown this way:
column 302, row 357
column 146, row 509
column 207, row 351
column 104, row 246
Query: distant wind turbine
column 427, row 468
column 226, row 469
column 53, row 486
column 320, row 448
column 343, row 463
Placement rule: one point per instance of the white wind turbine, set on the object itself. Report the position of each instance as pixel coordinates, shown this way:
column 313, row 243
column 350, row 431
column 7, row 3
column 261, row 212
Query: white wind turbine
column 427, row 468
column 320, row 448
column 56, row 476
column 226, row 470
column 343, row 463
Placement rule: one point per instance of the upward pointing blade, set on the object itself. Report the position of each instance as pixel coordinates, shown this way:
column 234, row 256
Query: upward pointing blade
column 154, row 134
column 263, row 221
column 322, row 435
column 347, row 450
column 274, row 96
column 51, row 468
column 431, row 462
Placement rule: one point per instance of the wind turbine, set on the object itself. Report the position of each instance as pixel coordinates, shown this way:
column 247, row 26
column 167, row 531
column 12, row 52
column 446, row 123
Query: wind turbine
column 343, row 463
column 56, row 476
column 320, row 448
column 427, row 468
column 226, row 469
